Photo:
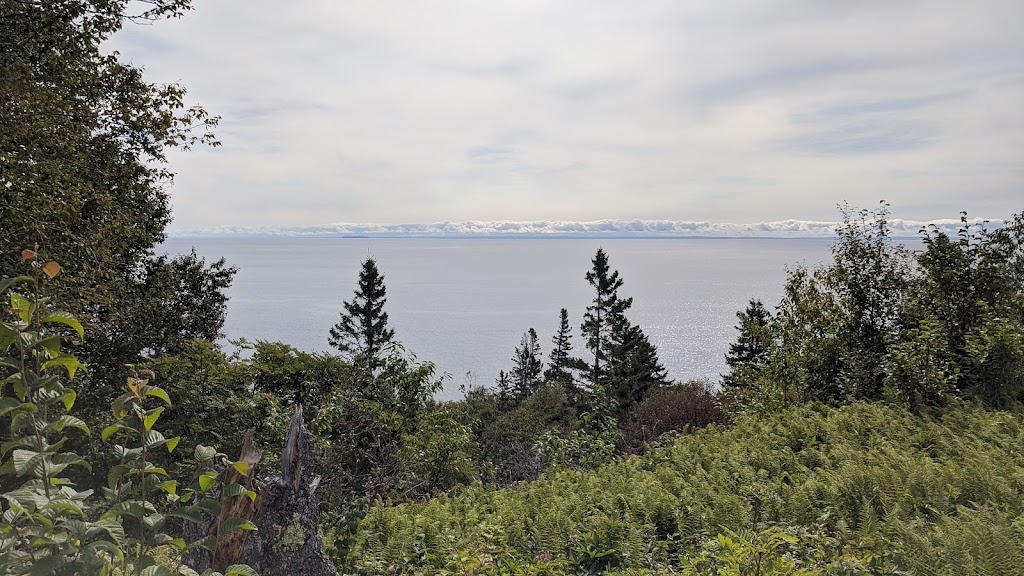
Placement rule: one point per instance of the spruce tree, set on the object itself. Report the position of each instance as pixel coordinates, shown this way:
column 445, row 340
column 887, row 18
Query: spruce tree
column 363, row 331
column 633, row 366
column 749, row 353
column 601, row 316
column 525, row 375
column 560, row 361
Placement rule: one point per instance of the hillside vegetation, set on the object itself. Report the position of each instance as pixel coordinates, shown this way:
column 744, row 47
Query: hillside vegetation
column 864, row 488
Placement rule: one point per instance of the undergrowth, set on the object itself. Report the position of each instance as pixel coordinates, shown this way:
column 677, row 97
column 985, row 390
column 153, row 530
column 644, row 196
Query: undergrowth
column 861, row 489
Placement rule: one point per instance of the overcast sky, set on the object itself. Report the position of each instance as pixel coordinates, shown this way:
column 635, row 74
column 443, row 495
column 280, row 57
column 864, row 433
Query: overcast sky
column 744, row 111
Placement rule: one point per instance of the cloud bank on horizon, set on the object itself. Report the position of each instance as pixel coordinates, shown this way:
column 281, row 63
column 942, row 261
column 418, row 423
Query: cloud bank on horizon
column 744, row 111
column 567, row 229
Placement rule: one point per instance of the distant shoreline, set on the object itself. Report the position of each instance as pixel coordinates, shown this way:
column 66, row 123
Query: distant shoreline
column 487, row 237
column 564, row 229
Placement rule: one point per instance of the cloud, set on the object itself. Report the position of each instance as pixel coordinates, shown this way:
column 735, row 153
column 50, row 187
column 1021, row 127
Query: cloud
column 590, row 110
column 570, row 229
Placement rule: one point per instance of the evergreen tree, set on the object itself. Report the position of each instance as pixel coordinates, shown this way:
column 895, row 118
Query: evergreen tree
column 606, row 310
column 752, row 348
column 363, row 329
column 504, row 391
column 633, row 366
column 525, row 375
column 561, row 363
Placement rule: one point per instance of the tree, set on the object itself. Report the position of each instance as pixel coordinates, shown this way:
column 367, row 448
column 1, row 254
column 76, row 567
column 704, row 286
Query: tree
column 633, row 366
column 363, row 329
column 753, row 345
column 83, row 178
column 868, row 277
column 603, row 313
column 561, row 363
column 527, row 368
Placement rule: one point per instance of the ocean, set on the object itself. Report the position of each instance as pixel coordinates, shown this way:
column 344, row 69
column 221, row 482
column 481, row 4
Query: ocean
column 464, row 304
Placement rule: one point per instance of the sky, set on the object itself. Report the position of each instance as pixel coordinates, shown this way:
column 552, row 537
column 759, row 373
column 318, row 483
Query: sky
column 581, row 110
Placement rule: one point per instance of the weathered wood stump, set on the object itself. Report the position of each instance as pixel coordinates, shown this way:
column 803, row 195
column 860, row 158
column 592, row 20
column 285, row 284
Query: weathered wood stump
column 286, row 541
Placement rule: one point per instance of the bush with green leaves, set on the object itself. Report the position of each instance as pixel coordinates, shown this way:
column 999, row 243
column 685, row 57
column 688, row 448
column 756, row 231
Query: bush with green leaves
column 881, row 321
column 49, row 526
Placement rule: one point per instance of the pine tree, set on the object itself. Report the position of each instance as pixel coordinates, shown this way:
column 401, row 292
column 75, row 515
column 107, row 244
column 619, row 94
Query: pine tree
column 525, row 375
column 504, row 391
column 363, row 329
column 750, row 351
column 601, row 316
column 561, row 363
column 633, row 366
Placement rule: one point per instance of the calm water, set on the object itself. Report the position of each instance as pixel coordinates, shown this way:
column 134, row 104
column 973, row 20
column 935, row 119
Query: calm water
column 465, row 303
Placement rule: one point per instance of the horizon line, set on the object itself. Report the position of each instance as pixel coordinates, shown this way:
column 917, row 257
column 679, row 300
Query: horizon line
column 597, row 229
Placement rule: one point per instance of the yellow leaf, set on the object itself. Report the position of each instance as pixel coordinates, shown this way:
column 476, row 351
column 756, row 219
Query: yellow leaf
column 51, row 269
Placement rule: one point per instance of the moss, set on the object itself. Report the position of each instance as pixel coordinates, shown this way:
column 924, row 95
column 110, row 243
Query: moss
column 293, row 536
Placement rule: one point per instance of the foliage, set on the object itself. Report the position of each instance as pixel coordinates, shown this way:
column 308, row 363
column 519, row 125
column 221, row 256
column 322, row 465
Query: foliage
column 601, row 316
column 861, row 489
column 362, row 333
column 48, row 524
column 633, row 366
column 84, row 140
column 437, row 457
column 562, row 366
column 680, row 407
column 525, row 376
column 625, row 364
column 874, row 325
column 753, row 344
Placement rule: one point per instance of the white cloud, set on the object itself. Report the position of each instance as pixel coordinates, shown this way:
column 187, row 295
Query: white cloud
column 572, row 229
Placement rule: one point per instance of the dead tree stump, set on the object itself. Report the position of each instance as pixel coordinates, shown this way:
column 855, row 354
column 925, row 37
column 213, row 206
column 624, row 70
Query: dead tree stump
column 286, row 540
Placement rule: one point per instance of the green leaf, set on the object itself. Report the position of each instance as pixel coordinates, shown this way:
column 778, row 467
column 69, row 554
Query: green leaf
column 8, row 404
column 108, row 547
column 25, row 460
column 116, row 473
column 6, row 283
column 207, row 480
column 113, row 429
column 22, row 307
column 72, row 421
column 127, row 508
column 68, row 397
column 151, row 417
column 52, row 345
column 47, row 565
column 153, row 439
column 209, row 543
column 242, row 467
column 204, row 453
column 172, row 443
column 233, row 490
column 57, row 317
column 66, row 361
column 113, row 529
column 240, row 570
column 211, row 505
column 170, row 487
column 156, row 392
column 118, row 405
column 234, row 524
